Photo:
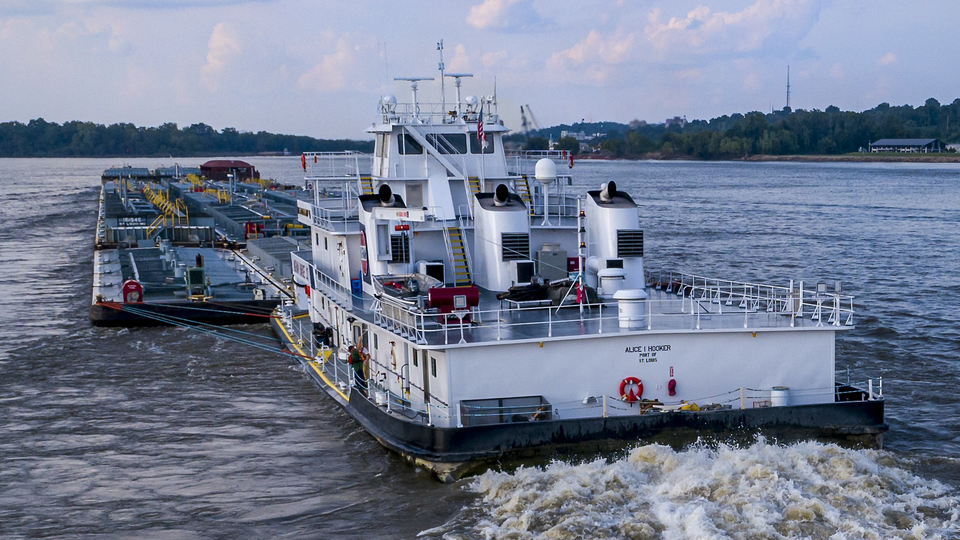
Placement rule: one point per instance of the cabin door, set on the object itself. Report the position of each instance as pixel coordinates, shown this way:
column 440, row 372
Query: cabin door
column 424, row 360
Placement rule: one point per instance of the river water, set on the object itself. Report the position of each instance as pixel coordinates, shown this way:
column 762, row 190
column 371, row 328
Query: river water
column 163, row 433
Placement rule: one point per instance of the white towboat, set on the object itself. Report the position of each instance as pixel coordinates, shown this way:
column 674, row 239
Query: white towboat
column 507, row 315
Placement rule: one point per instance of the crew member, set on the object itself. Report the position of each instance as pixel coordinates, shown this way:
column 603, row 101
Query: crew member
column 356, row 361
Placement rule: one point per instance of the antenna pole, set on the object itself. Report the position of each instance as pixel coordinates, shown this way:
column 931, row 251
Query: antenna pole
column 443, row 92
column 788, row 88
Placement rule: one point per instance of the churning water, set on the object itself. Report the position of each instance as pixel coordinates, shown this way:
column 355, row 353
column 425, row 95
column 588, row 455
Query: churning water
column 163, row 433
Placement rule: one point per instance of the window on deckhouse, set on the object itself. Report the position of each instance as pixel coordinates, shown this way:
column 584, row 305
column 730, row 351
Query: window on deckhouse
column 475, row 144
column 448, row 143
column 408, row 145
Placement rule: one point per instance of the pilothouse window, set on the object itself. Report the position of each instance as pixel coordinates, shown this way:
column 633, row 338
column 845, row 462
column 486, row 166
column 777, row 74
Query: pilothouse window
column 475, row 145
column 409, row 145
column 448, row 143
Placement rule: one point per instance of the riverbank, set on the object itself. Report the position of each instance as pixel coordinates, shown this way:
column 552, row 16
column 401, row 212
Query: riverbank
column 812, row 158
column 864, row 158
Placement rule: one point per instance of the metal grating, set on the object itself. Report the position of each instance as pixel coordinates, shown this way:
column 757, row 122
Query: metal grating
column 516, row 246
column 399, row 248
column 629, row 243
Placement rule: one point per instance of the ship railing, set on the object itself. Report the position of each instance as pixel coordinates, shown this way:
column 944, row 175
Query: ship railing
column 693, row 310
column 561, row 211
column 432, row 411
column 434, row 113
column 332, row 219
column 325, row 166
column 398, row 317
column 319, row 354
column 795, row 300
column 332, row 289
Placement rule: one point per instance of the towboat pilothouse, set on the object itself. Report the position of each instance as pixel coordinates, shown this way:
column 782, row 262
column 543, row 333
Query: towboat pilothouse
column 505, row 315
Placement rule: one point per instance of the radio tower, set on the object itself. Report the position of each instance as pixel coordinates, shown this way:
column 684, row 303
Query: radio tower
column 788, row 109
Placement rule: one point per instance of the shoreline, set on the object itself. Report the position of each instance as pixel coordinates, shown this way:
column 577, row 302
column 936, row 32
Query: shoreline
column 812, row 158
column 862, row 158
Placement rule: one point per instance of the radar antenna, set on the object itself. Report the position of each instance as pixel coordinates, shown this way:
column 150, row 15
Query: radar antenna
column 413, row 86
column 457, row 77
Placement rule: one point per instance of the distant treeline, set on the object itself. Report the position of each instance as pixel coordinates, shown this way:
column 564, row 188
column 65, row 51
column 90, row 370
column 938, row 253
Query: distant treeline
column 39, row 138
column 783, row 132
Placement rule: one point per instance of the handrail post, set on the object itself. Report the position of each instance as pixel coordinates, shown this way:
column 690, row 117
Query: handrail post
column 649, row 314
column 499, row 316
column 600, row 318
column 743, row 402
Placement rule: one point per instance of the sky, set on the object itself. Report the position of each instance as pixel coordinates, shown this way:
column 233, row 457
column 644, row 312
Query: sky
column 318, row 68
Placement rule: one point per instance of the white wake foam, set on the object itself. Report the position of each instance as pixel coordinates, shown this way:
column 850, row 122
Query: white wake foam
column 806, row 490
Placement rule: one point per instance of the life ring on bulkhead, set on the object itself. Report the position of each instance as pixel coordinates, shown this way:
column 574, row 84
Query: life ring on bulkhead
column 626, row 393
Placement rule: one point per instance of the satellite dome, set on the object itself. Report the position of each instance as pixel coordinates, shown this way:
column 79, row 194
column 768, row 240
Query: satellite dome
column 471, row 101
column 546, row 171
column 390, row 102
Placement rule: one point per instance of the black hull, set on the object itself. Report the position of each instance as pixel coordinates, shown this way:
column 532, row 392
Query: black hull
column 245, row 312
column 451, row 453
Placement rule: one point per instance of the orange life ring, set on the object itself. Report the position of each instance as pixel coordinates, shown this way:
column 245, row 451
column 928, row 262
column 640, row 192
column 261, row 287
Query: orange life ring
column 630, row 396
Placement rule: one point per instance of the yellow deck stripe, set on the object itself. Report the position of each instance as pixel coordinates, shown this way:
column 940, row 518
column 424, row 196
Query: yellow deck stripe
column 312, row 364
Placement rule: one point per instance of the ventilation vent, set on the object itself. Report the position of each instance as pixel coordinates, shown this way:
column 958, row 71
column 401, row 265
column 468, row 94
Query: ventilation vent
column 629, row 243
column 516, row 246
column 399, row 248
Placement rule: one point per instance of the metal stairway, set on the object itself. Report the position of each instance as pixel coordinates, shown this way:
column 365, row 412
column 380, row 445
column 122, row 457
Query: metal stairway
column 366, row 185
column 458, row 255
column 474, row 184
column 523, row 189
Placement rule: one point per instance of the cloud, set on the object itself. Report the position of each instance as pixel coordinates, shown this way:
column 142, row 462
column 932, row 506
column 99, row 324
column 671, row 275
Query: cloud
column 504, row 15
column 702, row 32
column 222, row 48
column 489, row 13
column 331, row 72
column 887, row 59
column 460, row 61
column 836, row 72
column 496, row 59
column 696, row 38
column 595, row 47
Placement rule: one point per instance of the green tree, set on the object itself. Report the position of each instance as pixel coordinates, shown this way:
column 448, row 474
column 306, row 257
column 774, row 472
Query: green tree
column 613, row 146
column 569, row 144
column 537, row 143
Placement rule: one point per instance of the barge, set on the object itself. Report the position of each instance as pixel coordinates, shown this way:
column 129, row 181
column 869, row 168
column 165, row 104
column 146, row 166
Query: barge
column 173, row 247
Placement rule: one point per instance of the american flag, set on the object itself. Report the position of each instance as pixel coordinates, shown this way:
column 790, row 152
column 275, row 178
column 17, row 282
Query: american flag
column 481, row 136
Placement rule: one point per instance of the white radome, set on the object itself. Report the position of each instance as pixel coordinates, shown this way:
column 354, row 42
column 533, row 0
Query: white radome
column 546, row 171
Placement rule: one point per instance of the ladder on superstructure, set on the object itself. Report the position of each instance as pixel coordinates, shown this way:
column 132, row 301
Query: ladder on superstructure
column 523, row 189
column 366, row 185
column 457, row 252
column 473, row 187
